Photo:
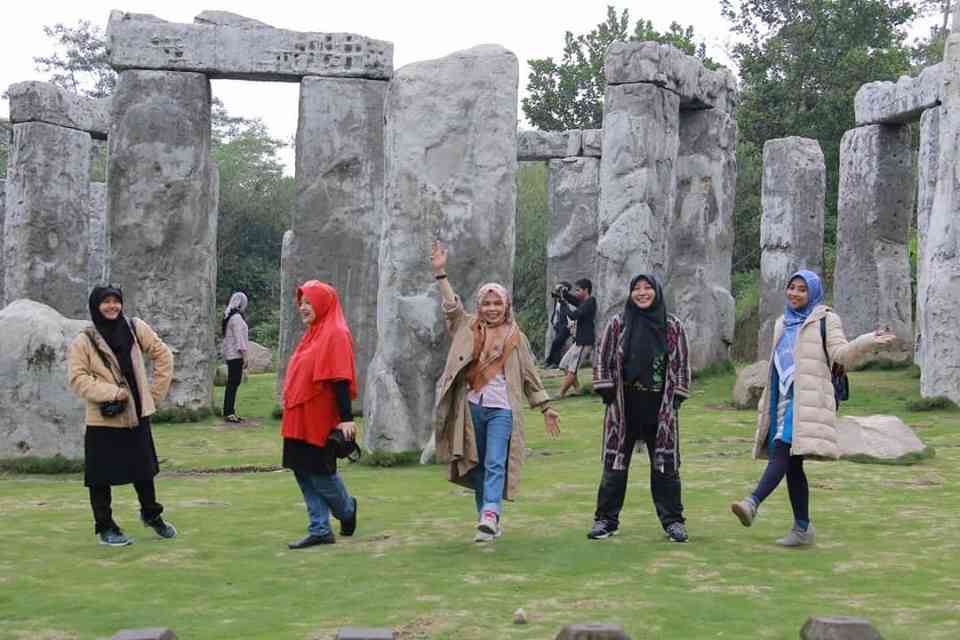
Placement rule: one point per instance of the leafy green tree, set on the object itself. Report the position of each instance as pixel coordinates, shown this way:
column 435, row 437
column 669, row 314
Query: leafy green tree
column 530, row 261
column 929, row 50
column 569, row 94
column 4, row 138
column 81, row 63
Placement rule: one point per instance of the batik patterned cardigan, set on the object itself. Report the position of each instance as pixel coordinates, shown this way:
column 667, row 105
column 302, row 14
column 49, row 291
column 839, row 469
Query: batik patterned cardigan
column 608, row 374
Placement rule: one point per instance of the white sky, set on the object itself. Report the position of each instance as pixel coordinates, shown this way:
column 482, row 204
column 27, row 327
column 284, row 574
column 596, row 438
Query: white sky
column 419, row 30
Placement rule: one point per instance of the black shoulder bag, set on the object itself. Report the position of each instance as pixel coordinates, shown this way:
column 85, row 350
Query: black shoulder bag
column 838, row 375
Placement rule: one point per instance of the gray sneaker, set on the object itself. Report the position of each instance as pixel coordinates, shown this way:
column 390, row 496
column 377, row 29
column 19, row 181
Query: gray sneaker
column 163, row 528
column 797, row 537
column 114, row 538
column 745, row 510
column 483, row 536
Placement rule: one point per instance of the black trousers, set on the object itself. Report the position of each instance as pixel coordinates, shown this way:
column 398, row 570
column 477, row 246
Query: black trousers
column 234, row 378
column 560, row 338
column 664, row 487
column 101, row 499
column 779, row 464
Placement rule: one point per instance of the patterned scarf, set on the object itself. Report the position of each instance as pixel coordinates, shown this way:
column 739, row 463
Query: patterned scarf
column 492, row 344
column 793, row 319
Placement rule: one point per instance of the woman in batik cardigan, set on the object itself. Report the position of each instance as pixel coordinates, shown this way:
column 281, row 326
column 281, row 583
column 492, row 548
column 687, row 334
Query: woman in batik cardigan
column 643, row 374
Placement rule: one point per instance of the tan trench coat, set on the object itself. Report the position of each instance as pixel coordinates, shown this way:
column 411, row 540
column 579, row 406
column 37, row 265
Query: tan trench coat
column 814, row 406
column 453, row 425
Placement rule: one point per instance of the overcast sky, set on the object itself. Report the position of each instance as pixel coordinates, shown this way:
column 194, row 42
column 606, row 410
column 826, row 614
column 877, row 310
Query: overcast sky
column 419, row 30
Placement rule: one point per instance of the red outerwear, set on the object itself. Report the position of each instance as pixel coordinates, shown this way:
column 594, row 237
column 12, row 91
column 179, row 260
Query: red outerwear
column 324, row 355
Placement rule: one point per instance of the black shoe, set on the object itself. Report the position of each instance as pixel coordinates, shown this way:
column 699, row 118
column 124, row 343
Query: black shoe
column 348, row 526
column 676, row 532
column 601, row 531
column 163, row 529
column 312, row 540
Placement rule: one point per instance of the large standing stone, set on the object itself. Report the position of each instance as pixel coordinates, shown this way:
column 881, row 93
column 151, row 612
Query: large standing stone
column 927, row 159
column 339, row 205
column 223, row 45
column 162, row 218
column 46, row 237
column 451, row 157
column 871, row 282
column 97, row 228
column 637, row 189
column 46, row 102
column 3, row 210
column 40, row 416
column 288, row 310
column 901, row 101
column 791, row 227
column 574, row 194
column 701, row 235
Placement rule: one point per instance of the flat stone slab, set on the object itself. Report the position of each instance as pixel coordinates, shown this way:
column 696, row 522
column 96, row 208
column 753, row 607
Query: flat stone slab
column 879, row 438
column 225, row 45
column 670, row 68
column 548, row 145
column 591, row 143
column 45, row 102
column 593, row 631
column 360, row 633
column 901, row 101
column 156, row 633
column 838, row 628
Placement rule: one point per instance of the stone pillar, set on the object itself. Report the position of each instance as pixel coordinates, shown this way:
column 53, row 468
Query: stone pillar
column 791, row 227
column 288, row 312
column 574, row 195
column 3, row 209
column 927, row 159
column 701, row 234
column 940, row 375
column 871, row 284
column 46, row 234
column 339, row 205
column 161, row 212
column 97, row 228
column 637, row 189
column 451, row 158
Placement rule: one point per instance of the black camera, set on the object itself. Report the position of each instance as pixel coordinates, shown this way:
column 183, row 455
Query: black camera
column 343, row 447
column 112, row 408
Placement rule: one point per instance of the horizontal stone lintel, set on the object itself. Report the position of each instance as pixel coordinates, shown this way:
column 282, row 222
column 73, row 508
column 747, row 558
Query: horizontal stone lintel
column 242, row 50
column 35, row 101
column 534, row 145
column 899, row 102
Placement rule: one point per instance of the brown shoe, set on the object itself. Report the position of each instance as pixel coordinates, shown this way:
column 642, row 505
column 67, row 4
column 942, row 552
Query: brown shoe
column 745, row 510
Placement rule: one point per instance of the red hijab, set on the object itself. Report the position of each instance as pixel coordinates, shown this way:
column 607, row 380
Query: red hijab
column 325, row 352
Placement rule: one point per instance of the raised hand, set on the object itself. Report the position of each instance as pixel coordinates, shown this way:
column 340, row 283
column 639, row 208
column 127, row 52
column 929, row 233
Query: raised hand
column 438, row 257
column 884, row 337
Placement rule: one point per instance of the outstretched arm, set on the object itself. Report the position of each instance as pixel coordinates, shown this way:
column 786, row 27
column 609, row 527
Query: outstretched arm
column 438, row 261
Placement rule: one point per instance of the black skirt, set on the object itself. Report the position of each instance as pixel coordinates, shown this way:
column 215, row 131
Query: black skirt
column 117, row 455
column 300, row 455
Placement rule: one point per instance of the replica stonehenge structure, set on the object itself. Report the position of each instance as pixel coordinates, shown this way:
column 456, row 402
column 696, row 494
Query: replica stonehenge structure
column 388, row 160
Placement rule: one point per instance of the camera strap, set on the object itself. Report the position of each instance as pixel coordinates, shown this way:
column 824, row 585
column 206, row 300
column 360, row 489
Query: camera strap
column 103, row 357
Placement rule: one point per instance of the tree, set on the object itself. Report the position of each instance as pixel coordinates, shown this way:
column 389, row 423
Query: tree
column 569, row 94
column 929, row 51
column 83, row 65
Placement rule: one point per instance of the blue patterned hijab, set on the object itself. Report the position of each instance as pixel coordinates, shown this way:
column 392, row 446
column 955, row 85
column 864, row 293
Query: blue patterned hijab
column 793, row 319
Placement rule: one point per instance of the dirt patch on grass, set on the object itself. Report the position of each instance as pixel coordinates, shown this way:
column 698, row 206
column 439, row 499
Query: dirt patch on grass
column 248, row 423
column 45, row 634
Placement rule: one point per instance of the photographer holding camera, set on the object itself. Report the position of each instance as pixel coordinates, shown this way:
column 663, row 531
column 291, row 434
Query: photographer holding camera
column 559, row 320
column 107, row 370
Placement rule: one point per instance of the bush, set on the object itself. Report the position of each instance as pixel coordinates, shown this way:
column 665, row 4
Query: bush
column 182, row 414
column 716, row 369
column 385, row 459
column 53, row 465
column 936, row 403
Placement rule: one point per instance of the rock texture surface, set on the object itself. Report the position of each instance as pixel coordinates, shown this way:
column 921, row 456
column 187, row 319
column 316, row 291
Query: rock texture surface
column 224, row 45
column 592, row 143
column 99, row 269
column 593, row 631
column 574, row 196
column 666, row 66
column 902, row 101
column 877, row 438
column 838, row 628
column 339, row 207
column 872, row 281
column 259, row 358
column 451, row 157
column 46, row 237
column 791, row 231
column 928, row 157
column 700, row 246
column 751, row 381
column 637, row 188
column 41, row 417
column 547, row 145
column 46, row 102
column 162, row 213
column 3, row 214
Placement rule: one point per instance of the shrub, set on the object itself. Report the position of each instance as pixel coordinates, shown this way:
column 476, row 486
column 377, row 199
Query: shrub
column 936, row 403
column 51, row 465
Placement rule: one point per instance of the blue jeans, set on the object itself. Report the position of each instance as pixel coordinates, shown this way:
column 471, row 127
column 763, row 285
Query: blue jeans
column 492, row 428
column 323, row 495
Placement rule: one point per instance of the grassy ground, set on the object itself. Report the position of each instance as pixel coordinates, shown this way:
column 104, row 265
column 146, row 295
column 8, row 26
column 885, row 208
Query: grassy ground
column 888, row 547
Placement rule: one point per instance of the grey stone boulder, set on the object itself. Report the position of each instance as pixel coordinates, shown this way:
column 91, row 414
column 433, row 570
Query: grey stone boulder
column 224, row 45
column 898, row 102
column 548, row 145
column 591, row 143
column 751, row 381
column 36, row 101
column 259, row 358
column 366, row 633
column 154, row 633
column 880, row 438
column 40, row 416
column 838, row 628
column 593, row 631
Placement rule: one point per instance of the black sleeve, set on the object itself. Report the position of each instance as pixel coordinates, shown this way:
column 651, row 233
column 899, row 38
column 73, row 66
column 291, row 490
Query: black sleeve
column 571, row 299
column 586, row 310
column 341, row 388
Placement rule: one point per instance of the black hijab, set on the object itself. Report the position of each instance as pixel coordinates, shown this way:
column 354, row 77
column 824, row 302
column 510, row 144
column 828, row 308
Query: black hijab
column 117, row 335
column 645, row 334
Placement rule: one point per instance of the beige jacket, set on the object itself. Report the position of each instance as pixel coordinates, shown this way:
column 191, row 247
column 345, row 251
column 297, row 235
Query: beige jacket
column 452, row 423
column 814, row 406
column 95, row 383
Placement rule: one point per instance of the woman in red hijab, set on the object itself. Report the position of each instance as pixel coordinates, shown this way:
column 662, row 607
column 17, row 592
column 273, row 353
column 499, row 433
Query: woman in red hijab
column 319, row 384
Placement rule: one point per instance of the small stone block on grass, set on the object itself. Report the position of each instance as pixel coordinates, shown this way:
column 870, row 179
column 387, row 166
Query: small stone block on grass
column 153, row 633
column 593, row 631
column 360, row 633
column 838, row 628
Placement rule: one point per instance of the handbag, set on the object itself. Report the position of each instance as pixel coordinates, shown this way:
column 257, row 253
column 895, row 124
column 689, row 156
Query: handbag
column 343, row 447
column 838, row 374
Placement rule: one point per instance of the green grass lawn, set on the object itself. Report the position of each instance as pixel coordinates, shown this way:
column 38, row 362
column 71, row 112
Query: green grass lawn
column 888, row 541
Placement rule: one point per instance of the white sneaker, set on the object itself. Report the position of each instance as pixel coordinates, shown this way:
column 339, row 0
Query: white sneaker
column 797, row 537
column 483, row 536
column 489, row 523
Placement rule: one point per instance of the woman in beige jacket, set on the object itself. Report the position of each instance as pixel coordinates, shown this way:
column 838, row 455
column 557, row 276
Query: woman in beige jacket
column 478, row 423
column 107, row 370
column 798, row 409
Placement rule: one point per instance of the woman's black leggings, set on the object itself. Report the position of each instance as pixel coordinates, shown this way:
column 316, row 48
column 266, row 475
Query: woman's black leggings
column 780, row 464
column 234, row 378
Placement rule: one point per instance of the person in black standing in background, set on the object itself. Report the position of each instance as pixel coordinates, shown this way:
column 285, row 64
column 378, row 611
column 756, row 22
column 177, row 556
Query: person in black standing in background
column 559, row 320
column 584, row 314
